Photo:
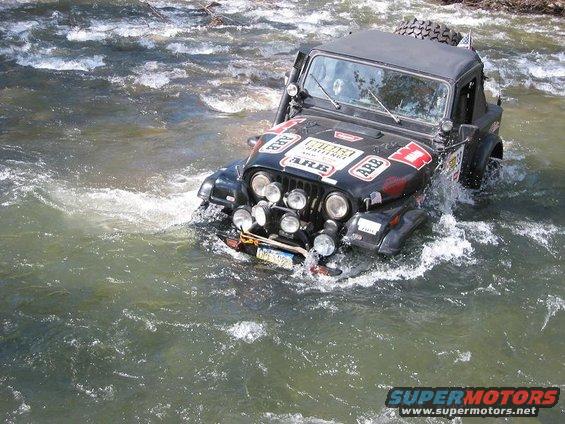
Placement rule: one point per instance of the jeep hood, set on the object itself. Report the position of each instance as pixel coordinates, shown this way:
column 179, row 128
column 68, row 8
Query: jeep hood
column 365, row 163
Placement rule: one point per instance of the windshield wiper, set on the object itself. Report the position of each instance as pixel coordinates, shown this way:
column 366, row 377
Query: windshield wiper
column 332, row 101
column 392, row 115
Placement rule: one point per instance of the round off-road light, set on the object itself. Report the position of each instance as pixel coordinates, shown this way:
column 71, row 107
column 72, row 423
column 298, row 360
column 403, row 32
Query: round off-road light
column 297, row 199
column 290, row 223
column 324, row 244
column 292, row 90
column 259, row 182
column 336, row 206
column 274, row 192
column 261, row 212
column 446, row 126
column 242, row 218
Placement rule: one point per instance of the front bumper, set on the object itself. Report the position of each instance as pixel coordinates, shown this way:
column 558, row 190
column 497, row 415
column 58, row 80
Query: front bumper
column 253, row 245
column 383, row 231
column 363, row 230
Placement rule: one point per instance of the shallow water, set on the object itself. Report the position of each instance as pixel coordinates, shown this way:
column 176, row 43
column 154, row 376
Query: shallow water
column 114, row 307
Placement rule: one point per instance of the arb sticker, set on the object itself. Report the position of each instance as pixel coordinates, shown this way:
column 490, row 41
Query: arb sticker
column 369, row 168
column 346, row 136
column 326, row 152
column 413, row 155
column 308, row 165
column 283, row 126
column 280, row 143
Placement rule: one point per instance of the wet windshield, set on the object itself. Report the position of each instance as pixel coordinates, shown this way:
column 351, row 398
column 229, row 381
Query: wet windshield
column 361, row 85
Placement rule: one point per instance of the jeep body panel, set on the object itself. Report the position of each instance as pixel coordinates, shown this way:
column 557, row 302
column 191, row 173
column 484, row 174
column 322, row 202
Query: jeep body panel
column 381, row 165
column 325, row 151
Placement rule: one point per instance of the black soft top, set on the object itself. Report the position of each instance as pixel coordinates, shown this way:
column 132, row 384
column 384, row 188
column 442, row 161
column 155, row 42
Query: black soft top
column 424, row 56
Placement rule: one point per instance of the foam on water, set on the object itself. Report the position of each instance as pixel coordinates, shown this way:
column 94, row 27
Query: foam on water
column 163, row 205
column 152, row 75
column 181, row 48
column 540, row 232
column 23, row 407
column 247, row 331
column 124, row 210
column 79, row 34
column 234, row 101
column 542, row 71
column 62, row 64
column 134, row 29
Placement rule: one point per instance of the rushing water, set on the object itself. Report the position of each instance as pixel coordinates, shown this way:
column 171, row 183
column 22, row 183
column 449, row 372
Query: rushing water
column 113, row 306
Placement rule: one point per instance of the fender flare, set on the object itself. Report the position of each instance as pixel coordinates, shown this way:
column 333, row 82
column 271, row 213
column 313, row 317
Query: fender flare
column 394, row 240
column 224, row 188
column 489, row 147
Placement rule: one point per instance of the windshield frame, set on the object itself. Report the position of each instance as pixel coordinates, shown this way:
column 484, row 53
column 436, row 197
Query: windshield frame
column 450, row 89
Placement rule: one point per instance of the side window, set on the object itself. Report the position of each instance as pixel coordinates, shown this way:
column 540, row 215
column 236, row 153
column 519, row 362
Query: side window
column 466, row 103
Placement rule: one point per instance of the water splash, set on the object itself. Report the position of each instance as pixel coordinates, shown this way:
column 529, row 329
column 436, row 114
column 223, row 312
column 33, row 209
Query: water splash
column 554, row 305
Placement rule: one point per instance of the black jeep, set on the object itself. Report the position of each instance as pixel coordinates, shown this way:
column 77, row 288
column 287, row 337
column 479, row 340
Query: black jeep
column 363, row 125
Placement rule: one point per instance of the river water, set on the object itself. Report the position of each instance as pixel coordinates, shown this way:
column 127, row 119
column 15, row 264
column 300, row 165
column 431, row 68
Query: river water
column 115, row 306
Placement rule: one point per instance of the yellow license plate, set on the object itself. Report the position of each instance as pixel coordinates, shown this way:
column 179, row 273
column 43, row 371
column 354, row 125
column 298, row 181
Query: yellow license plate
column 282, row 259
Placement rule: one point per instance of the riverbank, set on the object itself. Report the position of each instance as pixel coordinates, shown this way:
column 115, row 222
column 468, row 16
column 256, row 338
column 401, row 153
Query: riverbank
column 517, row 6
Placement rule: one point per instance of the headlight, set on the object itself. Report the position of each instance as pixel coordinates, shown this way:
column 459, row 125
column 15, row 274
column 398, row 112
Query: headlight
column 337, row 206
column 324, row 244
column 274, row 192
column 261, row 212
column 242, row 219
column 292, row 90
column 259, row 182
column 290, row 223
column 297, row 199
column 446, row 126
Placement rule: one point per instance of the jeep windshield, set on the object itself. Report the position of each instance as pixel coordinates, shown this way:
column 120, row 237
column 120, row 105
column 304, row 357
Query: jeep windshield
column 361, row 85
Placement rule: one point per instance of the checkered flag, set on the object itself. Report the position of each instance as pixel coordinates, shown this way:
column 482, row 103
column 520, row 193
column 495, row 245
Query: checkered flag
column 466, row 42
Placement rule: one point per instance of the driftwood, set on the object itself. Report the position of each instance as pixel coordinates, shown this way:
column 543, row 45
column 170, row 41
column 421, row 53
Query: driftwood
column 217, row 19
column 552, row 7
column 209, row 9
column 155, row 12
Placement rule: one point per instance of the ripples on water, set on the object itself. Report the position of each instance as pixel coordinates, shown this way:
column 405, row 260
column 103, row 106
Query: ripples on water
column 113, row 307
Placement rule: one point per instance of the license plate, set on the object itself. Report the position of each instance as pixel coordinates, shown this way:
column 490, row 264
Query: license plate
column 282, row 259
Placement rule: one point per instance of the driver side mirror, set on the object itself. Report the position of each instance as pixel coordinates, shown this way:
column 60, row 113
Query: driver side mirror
column 468, row 133
column 252, row 141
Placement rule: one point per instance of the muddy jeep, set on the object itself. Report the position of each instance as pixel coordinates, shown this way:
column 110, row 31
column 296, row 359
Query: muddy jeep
column 363, row 125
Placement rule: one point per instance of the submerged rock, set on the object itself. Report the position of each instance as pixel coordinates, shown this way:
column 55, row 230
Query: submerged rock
column 553, row 7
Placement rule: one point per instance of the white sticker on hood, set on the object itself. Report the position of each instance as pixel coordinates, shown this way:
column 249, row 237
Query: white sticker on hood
column 329, row 153
column 280, row 143
column 369, row 168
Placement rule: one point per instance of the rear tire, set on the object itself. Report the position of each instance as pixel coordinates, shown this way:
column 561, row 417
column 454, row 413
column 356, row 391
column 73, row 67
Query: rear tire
column 428, row 30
